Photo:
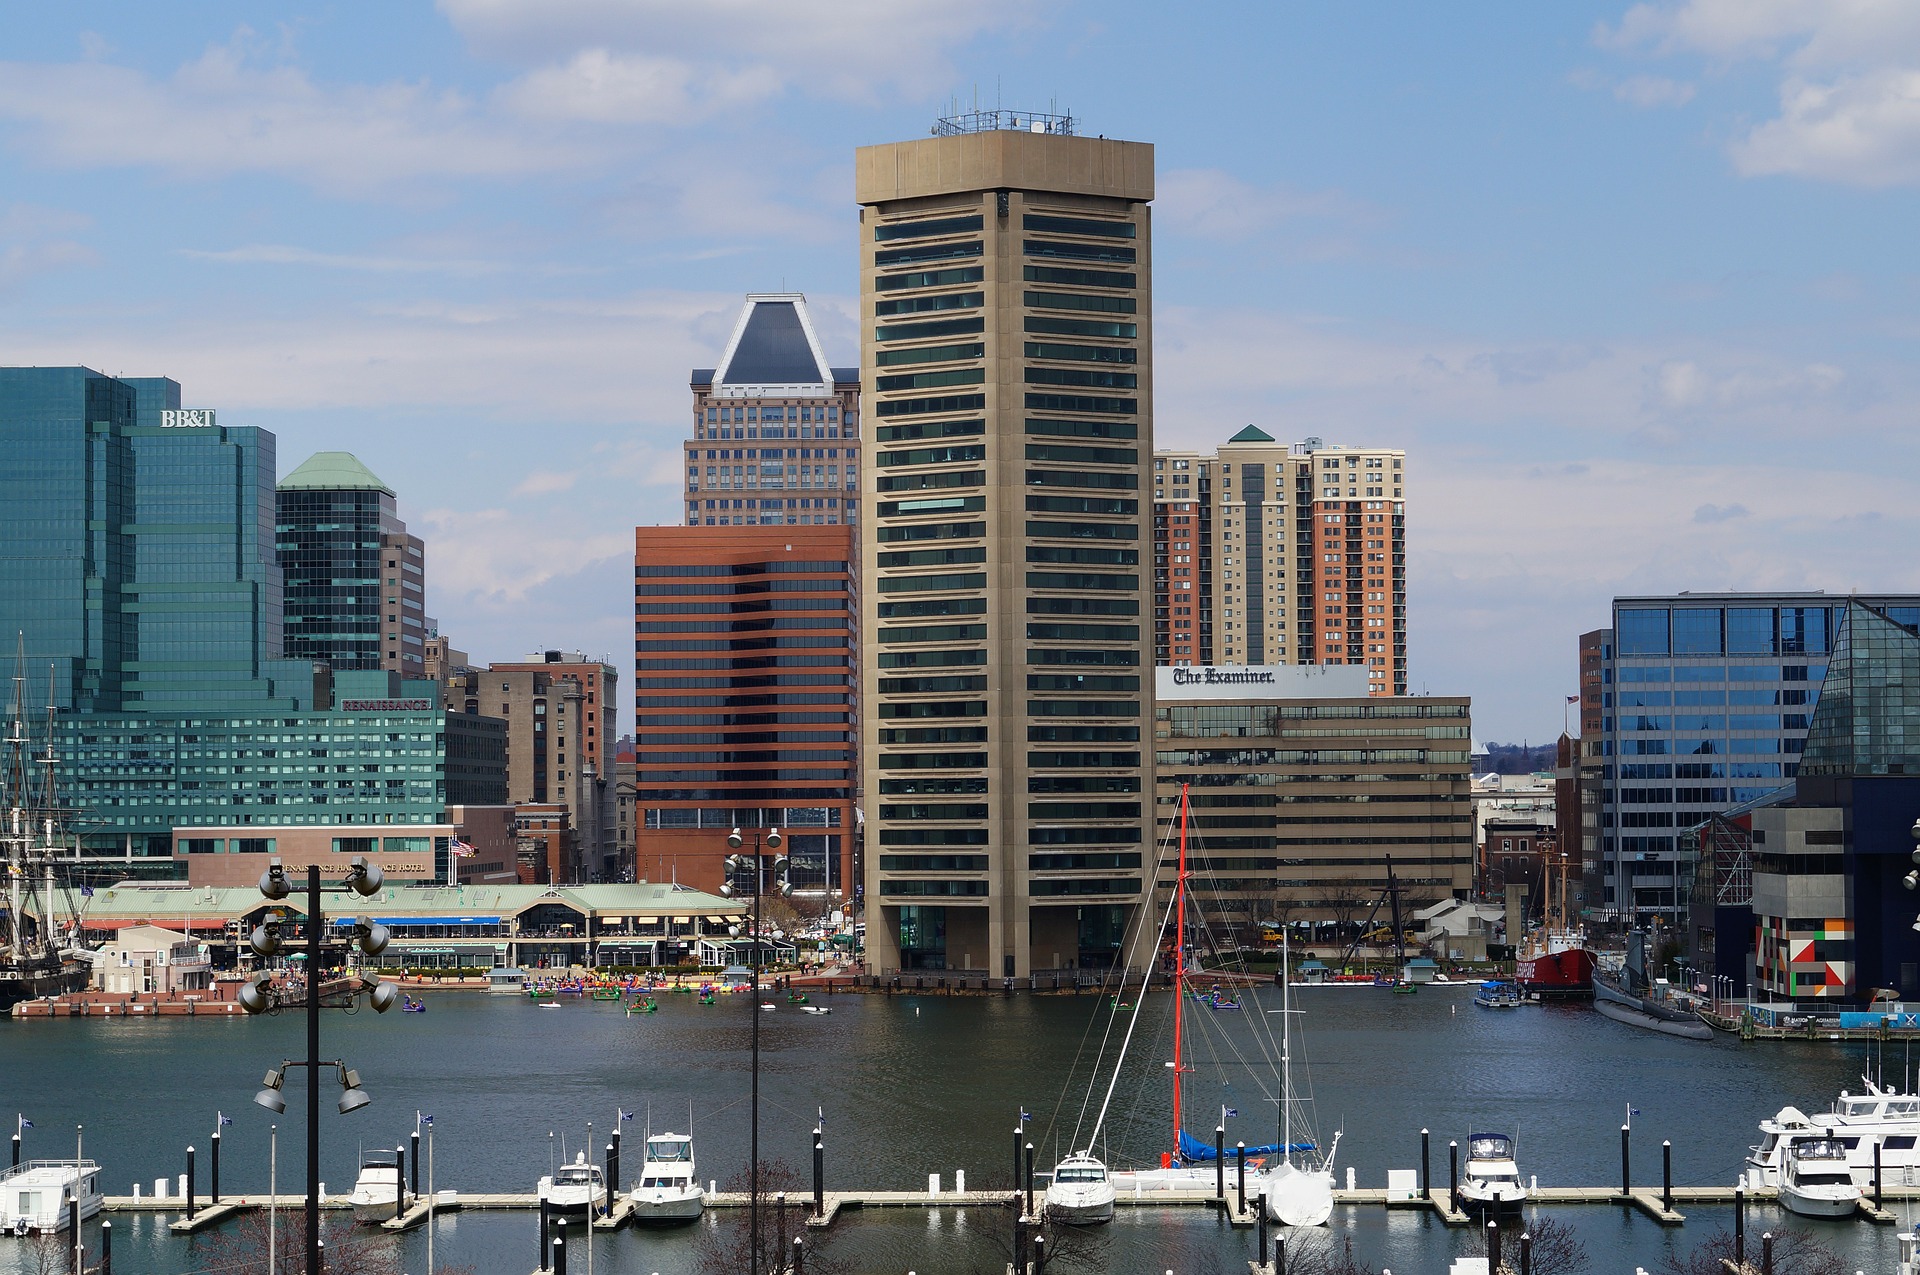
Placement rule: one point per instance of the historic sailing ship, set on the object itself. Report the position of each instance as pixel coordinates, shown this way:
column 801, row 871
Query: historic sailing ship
column 36, row 958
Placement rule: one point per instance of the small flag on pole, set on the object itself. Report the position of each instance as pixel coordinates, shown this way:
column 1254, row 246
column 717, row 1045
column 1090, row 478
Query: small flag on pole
column 624, row 1114
column 1229, row 1112
column 426, row 1122
column 25, row 1123
column 226, row 1119
column 459, row 849
column 86, row 892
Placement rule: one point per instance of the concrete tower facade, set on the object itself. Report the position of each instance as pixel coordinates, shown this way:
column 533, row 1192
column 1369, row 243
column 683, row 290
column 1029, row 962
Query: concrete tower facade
column 1006, row 310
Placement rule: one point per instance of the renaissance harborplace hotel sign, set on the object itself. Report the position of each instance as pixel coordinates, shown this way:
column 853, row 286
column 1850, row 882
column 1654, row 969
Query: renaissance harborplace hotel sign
column 1257, row 682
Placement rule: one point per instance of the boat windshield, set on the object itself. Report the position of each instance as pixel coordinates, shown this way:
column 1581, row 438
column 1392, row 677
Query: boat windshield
column 577, row 1175
column 662, row 1181
column 1824, row 1179
column 670, row 1149
column 1080, row 1173
column 1498, row 1179
column 1491, row 1146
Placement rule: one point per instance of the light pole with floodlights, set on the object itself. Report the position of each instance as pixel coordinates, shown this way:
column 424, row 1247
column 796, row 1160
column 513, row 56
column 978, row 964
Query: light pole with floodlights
column 734, row 863
column 257, row 997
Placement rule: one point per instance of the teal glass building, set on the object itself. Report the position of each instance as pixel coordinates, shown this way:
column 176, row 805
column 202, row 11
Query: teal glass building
column 142, row 578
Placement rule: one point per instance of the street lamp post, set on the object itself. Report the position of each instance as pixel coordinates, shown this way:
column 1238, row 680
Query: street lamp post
column 735, row 861
column 257, row 997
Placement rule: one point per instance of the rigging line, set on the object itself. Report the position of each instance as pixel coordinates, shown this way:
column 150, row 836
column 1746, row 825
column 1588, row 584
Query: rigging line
column 1132, row 1019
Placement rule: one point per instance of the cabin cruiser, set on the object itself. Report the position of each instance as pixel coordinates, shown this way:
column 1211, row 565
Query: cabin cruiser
column 1491, row 1181
column 575, row 1188
column 669, row 1188
column 1879, row 1118
column 1081, row 1191
column 1815, row 1181
column 1910, row 1252
column 39, row 1195
column 376, row 1192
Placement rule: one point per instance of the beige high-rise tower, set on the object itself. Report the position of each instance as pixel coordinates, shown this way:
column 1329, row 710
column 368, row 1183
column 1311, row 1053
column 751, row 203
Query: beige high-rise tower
column 1006, row 349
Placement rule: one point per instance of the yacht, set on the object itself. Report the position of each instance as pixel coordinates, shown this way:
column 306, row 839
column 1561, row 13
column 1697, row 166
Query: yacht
column 1910, row 1252
column 1816, row 1182
column 1081, row 1191
column 1879, row 1118
column 669, row 1188
column 1491, row 1181
column 376, row 1192
column 575, row 1188
column 39, row 1195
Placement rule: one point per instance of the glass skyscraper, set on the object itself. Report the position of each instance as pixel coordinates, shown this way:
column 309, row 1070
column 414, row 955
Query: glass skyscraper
column 1704, row 703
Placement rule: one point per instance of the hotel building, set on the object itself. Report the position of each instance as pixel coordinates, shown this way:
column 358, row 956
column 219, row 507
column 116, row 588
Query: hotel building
column 1006, row 334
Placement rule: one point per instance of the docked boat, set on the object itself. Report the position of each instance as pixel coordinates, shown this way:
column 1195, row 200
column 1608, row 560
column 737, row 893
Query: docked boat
column 39, row 1195
column 1629, row 996
column 576, row 1188
column 1556, row 962
column 507, row 980
column 376, row 1192
column 815, row 1009
column 669, row 1190
column 1081, row 1192
column 1816, row 1180
column 1491, row 1181
column 1909, row 1252
column 1494, row 994
column 1879, row 1120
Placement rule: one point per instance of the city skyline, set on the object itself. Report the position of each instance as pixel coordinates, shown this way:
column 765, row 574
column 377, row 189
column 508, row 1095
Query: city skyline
column 1601, row 272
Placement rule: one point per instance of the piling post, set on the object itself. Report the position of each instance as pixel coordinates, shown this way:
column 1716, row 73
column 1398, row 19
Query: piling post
column 1017, row 1139
column 820, row 1173
column 779, row 1214
column 16, row 1150
column 1020, row 1244
column 1666, row 1175
column 106, row 1248
column 1261, row 1247
column 415, row 1162
column 320, row 1250
column 1220, row 1163
column 1740, row 1225
column 1240, row 1149
column 1493, row 1246
column 1626, row 1175
column 79, row 1249
column 1766, row 1253
column 192, row 1186
column 1876, row 1175
column 1426, row 1179
column 1279, row 1251
column 213, row 1167
column 613, row 1175
column 1029, row 1179
column 546, row 1238
column 1453, row 1176
column 1526, row 1253
column 799, row 1257
column 1040, row 1253
column 399, row 1180
column 560, row 1254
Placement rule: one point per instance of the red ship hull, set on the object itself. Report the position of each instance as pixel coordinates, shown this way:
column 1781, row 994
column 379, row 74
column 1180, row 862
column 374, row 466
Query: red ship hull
column 1564, row 973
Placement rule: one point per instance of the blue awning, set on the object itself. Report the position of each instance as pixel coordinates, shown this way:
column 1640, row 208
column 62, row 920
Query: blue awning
column 347, row 922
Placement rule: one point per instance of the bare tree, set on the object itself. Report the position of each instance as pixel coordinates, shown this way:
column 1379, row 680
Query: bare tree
column 727, row 1246
column 1553, row 1248
column 1342, row 903
column 241, row 1249
column 1795, row 1252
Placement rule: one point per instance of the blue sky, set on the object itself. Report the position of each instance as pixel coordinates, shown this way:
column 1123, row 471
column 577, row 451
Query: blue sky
column 1633, row 284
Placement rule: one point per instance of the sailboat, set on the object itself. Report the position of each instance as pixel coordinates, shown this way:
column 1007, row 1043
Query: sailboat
column 1296, row 1194
column 35, row 959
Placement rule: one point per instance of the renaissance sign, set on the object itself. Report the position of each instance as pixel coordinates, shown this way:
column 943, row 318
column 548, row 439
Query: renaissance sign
column 1257, row 682
column 386, row 705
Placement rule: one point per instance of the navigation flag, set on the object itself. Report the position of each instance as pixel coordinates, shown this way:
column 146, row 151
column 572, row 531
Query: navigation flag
column 226, row 1119
column 426, row 1122
column 1228, row 1112
column 1025, row 1115
column 624, row 1113
column 25, row 1123
column 86, row 892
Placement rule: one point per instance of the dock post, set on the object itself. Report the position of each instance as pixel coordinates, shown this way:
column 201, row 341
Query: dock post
column 1029, row 1179
column 79, row 1249
column 1453, row 1176
column 399, row 1180
column 1766, row 1253
column 1666, row 1175
column 1016, row 1164
column 1526, row 1253
column 779, row 1215
column 613, row 1175
column 1261, row 1213
column 1240, row 1150
column 1040, row 1253
column 1220, row 1162
column 560, row 1253
column 546, row 1240
column 1876, row 1175
column 1493, row 1245
column 1279, row 1251
column 106, row 1248
column 820, row 1173
column 1020, row 1243
column 415, row 1162
column 320, row 1250
column 1626, row 1176
column 16, row 1150
column 1740, row 1224
column 213, row 1166
column 1426, row 1178
column 799, row 1256
column 192, row 1186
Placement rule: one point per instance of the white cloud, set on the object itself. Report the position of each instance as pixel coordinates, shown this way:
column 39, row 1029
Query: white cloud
column 1683, row 385
column 288, row 255
column 1850, row 80
column 37, row 240
column 545, row 482
column 612, row 88
column 1210, row 203
column 1653, row 90
column 500, row 556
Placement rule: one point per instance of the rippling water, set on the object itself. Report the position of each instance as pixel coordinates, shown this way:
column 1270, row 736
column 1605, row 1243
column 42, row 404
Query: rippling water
column 919, row 1084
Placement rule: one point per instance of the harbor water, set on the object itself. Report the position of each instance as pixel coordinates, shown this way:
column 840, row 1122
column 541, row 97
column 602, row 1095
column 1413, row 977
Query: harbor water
column 917, row 1084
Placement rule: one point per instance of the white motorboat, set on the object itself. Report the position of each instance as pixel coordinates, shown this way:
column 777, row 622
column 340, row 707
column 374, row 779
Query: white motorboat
column 376, row 1192
column 39, row 1195
column 669, row 1189
column 1877, row 1119
column 1909, row 1252
column 575, row 1188
column 815, row 1009
column 1816, row 1181
column 1081, row 1191
column 1491, row 1181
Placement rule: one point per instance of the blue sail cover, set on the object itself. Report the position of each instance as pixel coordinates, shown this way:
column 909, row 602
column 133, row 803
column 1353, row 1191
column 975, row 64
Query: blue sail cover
column 1193, row 1151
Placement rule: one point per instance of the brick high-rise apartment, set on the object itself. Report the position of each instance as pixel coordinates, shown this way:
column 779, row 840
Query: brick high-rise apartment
column 1006, row 311
column 1269, row 553
column 775, row 429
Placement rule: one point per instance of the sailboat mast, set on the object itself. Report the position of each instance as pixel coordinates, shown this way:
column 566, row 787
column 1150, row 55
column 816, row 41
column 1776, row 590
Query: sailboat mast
column 1286, row 1048
column 1179, row 964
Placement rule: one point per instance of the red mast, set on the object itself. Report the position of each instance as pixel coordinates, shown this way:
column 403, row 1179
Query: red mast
column 1179, row 965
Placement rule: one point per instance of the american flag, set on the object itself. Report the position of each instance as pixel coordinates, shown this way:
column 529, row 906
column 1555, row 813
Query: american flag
column 459, row 848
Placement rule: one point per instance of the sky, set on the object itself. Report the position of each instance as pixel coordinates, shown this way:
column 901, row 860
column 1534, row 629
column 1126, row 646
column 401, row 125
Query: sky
column 1634, row 284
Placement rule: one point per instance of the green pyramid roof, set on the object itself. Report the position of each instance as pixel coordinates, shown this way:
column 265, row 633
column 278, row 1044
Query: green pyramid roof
column 1252, row 434
column 333, row 471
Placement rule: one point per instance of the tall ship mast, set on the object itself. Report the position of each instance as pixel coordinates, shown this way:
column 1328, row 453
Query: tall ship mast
column 35, row 960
